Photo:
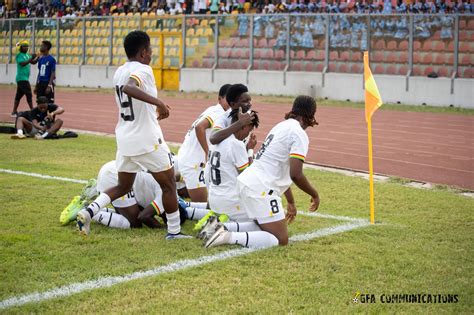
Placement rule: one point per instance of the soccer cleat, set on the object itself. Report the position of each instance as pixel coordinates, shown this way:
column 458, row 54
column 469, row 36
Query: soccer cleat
column 183, row 203
column 209, row 228
column 84, row 222
column 13, row 114
column 177, row 236
column 39, row 137
column 220, row 237
column 198, row 226
column 18, row 136
column 89, row 192
column 69, row 213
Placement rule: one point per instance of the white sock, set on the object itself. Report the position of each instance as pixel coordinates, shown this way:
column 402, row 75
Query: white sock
column 99, row 203
column 258, row 239
column 199, row 205
column 174, row 226
column 242, row 226
column 44, row 135
column 19, row 131
column 196, row 213
column 113, row 220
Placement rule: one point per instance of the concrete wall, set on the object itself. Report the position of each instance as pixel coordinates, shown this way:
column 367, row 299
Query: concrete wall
column 336, row 86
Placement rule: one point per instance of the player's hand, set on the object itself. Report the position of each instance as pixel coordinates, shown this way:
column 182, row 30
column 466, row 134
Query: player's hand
column 163, row 111
column 48, row 90
column 33, row 56
column 247, row 118
column 252, row 141
column 314, row 203
column 290, row 212
column 50, row 116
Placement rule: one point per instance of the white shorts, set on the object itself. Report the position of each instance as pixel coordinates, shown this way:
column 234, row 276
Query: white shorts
column 193, row 176
column 261, row 206
column 230, row 207
column 155, row 161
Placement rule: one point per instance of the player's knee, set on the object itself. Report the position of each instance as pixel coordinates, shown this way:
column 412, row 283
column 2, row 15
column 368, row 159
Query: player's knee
column 59, row 122
column 143, row 217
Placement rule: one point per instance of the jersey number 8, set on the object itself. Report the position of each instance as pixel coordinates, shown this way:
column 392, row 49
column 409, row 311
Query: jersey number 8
column 215, row 164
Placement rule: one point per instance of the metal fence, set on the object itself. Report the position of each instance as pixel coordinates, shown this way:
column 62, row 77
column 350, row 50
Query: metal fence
column 408, row 45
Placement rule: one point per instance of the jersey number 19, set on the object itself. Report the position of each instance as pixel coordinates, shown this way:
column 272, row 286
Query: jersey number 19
column 126, row 106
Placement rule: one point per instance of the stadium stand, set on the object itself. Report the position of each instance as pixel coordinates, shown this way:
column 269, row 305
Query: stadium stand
column 434, row 43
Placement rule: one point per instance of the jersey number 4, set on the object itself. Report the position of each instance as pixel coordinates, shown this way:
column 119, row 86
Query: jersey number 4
column 126, row 106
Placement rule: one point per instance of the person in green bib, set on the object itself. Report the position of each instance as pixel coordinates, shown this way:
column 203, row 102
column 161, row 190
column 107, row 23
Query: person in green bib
column 23, row 61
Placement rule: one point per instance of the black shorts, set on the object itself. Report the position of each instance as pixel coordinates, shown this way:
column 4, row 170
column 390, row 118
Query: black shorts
column 41, row 91
column 23, row 88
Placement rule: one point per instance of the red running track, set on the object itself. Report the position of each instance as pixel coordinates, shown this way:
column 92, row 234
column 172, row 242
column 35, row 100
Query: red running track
column 430, row 147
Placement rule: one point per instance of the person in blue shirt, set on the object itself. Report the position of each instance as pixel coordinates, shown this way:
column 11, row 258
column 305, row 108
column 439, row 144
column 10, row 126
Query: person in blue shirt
column 46, row 72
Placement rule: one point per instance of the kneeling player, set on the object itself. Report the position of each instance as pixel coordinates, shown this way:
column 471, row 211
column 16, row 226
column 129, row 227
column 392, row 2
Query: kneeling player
column 278, row 163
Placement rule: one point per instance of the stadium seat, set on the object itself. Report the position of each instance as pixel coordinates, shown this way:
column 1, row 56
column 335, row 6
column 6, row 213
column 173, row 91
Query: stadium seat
column 296, row 66
column 463, row 35
column 428, row 70
column 439, row 59
column 380, row 44
column 443, row 72
column 356, row 68
column 468, row 73
column 344, row 56
column 379, row 69
column 355, row 56
column 280, row 54
column 300, row 54
column 391, row 69
column 333, row 55
column 402, row 70
column 464, row 47
column 403, row 57
column 436, row 35
column 311, row 55
column 343, row 68
column 378, row 56
column 262, row 43
column 392, row 45
column 427, row 59
column 403, row 45
column 392, row 56
column 208, row 32
column 465, row 59
column 439, row 46
column 427, row 45
column 416, row 45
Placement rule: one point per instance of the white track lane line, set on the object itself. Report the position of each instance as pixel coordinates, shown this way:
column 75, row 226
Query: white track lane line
column 64, row 179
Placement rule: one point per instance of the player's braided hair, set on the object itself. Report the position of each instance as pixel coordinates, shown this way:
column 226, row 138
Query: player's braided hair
column 134, row 42
column 304, row 107
column 234, row 115
column 234, row 91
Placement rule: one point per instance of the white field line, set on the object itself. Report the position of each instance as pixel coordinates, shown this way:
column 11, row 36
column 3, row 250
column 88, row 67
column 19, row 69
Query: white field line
column 106, row 282
column 330, row 216
column 65, row 179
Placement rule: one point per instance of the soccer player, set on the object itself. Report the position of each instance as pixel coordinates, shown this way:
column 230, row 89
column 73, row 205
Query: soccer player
column 278, row 163
column 23, row 61
column 192, row 155
column 41, row 121
column 46, row 72
column 237, row 97
column 140, row 141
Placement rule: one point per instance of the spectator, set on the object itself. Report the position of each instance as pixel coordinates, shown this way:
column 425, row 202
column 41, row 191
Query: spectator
column 23, row 61
column 40, row 122
column 46, row 73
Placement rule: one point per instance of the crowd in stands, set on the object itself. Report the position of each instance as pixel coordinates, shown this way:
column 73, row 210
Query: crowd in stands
column 74, row 8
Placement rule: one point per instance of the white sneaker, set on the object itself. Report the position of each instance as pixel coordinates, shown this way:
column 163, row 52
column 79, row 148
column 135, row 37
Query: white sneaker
column 209, row 228
column 39, row 137
column 18, row 136
column 84, row 222
column 220, row 237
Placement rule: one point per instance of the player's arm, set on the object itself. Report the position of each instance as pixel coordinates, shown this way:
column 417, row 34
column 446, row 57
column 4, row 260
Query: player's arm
column 300, row 180
column 147, row 217
column 58, row 111
column 27, row 61
column 200, row 130
column 132, row 89
column 37, row 125
column 217, row 136
column 291, row 207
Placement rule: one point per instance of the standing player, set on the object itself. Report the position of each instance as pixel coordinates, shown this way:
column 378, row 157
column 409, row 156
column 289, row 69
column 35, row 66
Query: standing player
column 279, row 162
column 192, row 155
column 23, row 61
column 140, row 142
column 46, row 73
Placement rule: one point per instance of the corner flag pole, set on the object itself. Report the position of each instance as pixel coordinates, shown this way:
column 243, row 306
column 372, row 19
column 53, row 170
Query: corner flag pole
column 372, row 102
column 371, row 173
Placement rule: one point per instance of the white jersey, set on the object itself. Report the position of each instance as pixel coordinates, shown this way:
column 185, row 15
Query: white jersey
column 191, row 153
column 271, row 167
column 227, row 159
column 223, row 121
column 145, row 189
column 137, row 130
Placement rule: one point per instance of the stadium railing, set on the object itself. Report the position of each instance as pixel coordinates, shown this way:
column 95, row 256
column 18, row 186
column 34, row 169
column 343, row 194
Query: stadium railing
column 407, row 45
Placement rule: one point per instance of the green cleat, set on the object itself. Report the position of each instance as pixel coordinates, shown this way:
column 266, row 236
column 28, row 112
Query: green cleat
column 199, row 225
column 69, row 213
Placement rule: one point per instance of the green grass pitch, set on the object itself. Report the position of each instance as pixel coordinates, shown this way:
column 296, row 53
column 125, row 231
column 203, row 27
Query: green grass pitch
column 423, row 244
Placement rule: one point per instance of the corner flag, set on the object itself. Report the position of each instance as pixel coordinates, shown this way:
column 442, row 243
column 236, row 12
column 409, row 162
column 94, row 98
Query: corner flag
column 372, row 102
column 372, row 96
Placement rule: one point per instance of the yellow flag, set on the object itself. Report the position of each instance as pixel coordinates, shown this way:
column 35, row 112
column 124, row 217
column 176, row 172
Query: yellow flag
column 372, row 96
